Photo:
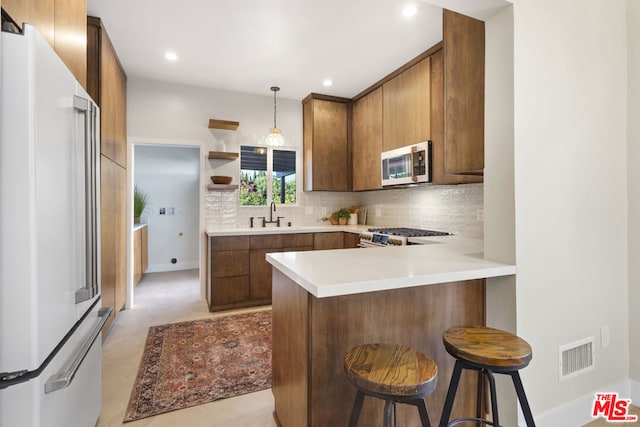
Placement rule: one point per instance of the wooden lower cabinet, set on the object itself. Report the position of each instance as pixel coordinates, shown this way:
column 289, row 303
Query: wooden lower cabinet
column 311, row 335
column 140, row 257
column 351, row 240
column 238, row 272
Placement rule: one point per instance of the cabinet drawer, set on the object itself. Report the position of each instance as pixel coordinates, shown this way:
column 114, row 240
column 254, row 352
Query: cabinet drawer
column 229, row 243
column 331, row 240
column 229, row 263
column 266, row 241
column 229, row 290
column 297, row 240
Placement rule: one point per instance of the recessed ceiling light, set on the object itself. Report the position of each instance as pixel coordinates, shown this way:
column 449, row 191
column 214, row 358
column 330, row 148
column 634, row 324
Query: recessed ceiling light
column 409, row 11
column 171, row 56
column 327, row 82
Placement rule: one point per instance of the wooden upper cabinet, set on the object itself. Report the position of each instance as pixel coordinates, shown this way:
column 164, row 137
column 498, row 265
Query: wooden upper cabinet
column 438, row 174
column 70, row 36
column 326, row 152
column 107, row 84
column 406, row 101
column 39, row 13
column 463, row 44
column 62, row 23
column 367, row 141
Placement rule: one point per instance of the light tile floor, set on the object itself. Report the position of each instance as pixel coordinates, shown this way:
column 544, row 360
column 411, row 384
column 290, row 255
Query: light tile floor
column 601, row 422
column 167, row 298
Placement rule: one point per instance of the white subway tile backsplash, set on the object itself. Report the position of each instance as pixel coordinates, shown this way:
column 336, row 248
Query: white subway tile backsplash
column 451, row 208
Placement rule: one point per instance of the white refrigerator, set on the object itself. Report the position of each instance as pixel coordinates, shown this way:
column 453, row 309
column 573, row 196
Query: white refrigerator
column 50, row 314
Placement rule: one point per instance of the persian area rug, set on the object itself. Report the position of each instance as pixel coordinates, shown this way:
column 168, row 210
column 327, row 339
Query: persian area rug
column 191, row 363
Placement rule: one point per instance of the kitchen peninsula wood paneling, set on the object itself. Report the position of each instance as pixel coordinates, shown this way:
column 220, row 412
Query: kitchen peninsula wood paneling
column 367, row 141
column 406, row 107
column 106, row 83
column 312, row 334
column 326, row 148
column 61, row 23
column 140, row 254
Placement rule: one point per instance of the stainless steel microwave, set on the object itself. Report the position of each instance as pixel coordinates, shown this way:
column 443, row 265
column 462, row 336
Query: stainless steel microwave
column 407, row 165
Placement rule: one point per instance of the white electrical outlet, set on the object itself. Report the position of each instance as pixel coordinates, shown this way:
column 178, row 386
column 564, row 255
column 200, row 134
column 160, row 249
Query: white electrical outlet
column 323, row 211
column 604, row 337
column 378, row 212
column 480, row 215
column 308, row 210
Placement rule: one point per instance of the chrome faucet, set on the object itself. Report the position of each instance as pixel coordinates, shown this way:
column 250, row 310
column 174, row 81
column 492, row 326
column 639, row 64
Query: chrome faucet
column 272, row 209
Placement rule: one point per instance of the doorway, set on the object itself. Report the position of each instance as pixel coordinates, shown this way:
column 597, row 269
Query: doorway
column 169, row 175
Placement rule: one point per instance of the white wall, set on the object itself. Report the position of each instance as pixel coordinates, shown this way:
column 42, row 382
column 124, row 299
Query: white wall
column 170, row 176
column 633, row 159
column 571, row 189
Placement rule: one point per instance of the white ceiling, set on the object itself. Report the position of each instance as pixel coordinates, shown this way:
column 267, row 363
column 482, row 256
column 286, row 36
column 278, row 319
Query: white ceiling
column 250, row 45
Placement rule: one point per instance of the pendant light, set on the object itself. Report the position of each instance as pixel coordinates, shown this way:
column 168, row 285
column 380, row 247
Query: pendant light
column 275, row 138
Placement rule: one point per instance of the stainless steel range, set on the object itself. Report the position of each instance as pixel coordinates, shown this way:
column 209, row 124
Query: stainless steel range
column 394, row 236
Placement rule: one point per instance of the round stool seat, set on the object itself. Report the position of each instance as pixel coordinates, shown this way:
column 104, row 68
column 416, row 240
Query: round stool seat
column 487, row 346
column 391, row 370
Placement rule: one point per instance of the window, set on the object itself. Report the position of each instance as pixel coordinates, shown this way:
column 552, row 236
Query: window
column 267, row 174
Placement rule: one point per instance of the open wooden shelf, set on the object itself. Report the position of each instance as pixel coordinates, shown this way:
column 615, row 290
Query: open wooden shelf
column 223, row 124
column 223, row 155
column 222, row 187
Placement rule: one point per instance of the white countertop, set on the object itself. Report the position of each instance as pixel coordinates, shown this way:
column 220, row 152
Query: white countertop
column 272, row 229
column 351, row 271
column 137, row 227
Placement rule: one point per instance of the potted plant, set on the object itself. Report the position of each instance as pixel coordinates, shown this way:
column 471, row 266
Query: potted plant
column 139, row 203
column 343, row 216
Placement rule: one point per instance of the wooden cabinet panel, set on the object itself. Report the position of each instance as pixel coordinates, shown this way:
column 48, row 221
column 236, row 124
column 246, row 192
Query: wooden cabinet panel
column 39, row 13
column 463, row 39
column 260, row 275
column 70, row 36
column 406, row 101
column 137, row 256
column 333, row 240
column 273, row 241
column 144, row 252
column 326, row 155
column 367, row 141
column 112, row 235
column 229, row 290
column 297, row 240
column 439, row 176
column 229, row 243
column 229, row 263
column 351, row 240
column 109, row 89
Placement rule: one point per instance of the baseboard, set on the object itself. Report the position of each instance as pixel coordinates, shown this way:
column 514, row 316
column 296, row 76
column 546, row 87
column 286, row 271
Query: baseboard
column 578, row 411
column 160, row 268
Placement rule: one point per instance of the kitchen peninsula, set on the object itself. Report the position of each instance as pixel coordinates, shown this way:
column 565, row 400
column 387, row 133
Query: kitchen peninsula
column 326, row 302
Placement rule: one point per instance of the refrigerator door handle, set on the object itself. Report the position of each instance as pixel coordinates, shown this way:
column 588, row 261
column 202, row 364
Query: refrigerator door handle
column 63, row 379
column 86, row 107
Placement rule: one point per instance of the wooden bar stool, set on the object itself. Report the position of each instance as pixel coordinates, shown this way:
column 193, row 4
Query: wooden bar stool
column 487, row 351
column 394, row 373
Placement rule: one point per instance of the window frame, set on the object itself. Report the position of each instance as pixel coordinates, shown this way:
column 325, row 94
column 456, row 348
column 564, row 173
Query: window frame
column 269, row 173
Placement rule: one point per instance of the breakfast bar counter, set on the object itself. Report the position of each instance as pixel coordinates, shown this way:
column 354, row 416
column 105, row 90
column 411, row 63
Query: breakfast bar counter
column 326, row 302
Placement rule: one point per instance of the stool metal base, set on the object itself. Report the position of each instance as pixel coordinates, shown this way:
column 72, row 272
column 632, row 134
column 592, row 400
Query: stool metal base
column 390, row 408
column 488, row 372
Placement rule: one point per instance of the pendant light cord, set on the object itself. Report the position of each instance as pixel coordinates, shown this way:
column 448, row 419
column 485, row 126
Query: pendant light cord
column 275, row 89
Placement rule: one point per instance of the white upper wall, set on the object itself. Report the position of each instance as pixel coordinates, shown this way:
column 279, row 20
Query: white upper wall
column 633, row 158
column 571, row 189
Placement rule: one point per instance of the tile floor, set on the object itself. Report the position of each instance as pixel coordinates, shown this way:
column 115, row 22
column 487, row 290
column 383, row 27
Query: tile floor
column 167, row 298
column 601, row 422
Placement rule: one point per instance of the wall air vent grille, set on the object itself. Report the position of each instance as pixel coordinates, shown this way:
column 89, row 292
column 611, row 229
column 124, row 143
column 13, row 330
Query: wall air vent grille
column 576, row 358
